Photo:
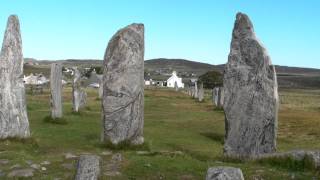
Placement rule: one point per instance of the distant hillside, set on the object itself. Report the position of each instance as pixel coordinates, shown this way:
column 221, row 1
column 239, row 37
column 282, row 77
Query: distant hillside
column 160, row 69
column 287, row 76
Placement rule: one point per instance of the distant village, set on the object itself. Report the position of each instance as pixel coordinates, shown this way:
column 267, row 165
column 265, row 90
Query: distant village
column 159, row 78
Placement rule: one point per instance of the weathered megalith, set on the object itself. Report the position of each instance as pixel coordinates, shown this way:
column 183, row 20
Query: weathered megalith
column 195, row 95
column 201, row 93
column 100, row 90
column 88, row 167
column 218, row 96
column 56, row 90
column 13, row 114
column 123, row 83
column 250, row 95
column 224, row 173
column 176, row 86
column 79, row 95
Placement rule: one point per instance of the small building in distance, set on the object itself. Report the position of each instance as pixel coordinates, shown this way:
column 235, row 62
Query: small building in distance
column 174, row 79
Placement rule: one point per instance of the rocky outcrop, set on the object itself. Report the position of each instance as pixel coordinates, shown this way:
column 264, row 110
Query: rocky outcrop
column 13, row 114
column 250, row 95
column 224, row 173
column 123, row 86
column 79, row 96
column 88, row 167
column 56, row 90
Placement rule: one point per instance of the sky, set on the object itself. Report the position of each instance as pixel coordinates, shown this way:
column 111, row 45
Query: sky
column 198, row 30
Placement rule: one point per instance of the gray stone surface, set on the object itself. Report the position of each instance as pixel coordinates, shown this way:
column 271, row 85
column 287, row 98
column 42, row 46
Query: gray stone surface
column 21, row 173
column 4, row 161
column 250, row 95
column 200, row 93
column 13, row 114
column 195, row 94
column 218, row 97
column 224, row 173
column 192, row 91
column 100, row 90
column 123, row 87
column 176, row 86
column 88, row 167
column 56, row 90
column 79, row 95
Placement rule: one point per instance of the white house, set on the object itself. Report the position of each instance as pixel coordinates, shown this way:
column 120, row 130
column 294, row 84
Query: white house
column 175, row 79
column 148, row 82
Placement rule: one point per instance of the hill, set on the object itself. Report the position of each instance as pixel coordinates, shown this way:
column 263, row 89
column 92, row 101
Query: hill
column 160, row 69
column 288, row 77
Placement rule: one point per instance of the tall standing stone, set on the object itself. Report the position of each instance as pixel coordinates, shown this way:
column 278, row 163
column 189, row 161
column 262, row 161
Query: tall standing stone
column 201, row 93
column 79, row 95
column 13, row 114
column 123, row 83
column 176, row 86
column 250, row 95
column 56, row 90
column 218, row 96
column 100, row 90
column 195, row 95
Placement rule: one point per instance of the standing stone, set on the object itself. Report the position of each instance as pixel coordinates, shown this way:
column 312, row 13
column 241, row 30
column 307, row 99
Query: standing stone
column 192, row 91
column 218, row 97
column 250, row 95
column 123, row 83
column 195, row 95
column 100, row 90
column 13, row 114
column 201, row 93
column 56, row 90
column 79, row 95
column 176, row 86
column 224, row 173
column 88, row 168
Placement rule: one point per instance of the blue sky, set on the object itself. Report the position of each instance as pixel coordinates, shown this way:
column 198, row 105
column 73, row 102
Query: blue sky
column 197, row 30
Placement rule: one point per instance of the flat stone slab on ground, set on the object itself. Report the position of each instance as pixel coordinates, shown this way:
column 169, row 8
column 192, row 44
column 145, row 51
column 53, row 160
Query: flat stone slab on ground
column 70, row 156
column 224, row 173
column 21, row 173
column 4, row 161
column 88, row 167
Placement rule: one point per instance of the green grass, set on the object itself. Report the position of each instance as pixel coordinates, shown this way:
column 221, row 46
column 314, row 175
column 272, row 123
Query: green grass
column 183, row 138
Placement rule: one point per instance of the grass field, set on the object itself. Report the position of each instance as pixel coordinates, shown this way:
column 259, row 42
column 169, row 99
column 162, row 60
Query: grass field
column 183, row 138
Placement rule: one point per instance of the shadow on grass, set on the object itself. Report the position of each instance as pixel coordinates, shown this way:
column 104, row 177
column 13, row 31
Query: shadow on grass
column 194, row 154
column 305, row 164
column 218, row 109
column 214, row 136
column 27, row 141
column 79, row 113
column 125, row 145
column 88, row 108
column 59, row 121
